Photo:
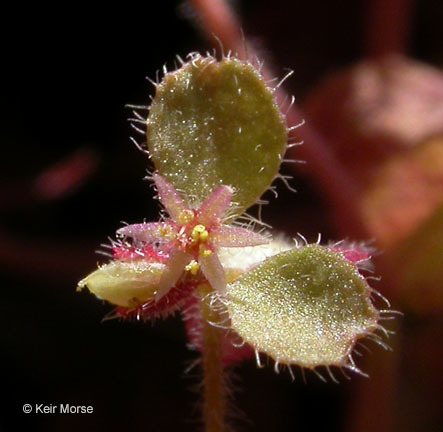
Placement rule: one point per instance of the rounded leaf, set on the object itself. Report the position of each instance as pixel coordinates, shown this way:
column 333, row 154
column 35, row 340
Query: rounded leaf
column 124, row 283
column 306, row 306
column 214, row 123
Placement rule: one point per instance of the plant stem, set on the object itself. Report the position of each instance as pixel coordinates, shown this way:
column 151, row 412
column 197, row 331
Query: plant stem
column 388, row 27
column 218, row 19
column 214, row 403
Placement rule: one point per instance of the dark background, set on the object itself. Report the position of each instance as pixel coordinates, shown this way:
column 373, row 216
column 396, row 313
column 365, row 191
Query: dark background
column 68, row 72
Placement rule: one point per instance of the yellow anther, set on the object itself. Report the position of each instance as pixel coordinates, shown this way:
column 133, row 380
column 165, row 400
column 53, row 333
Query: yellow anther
column 199, row 233
column 204, row 252
column 193, row 267
column 199, row 228
column 204, row 236
column 195, row 236
column 186, row 216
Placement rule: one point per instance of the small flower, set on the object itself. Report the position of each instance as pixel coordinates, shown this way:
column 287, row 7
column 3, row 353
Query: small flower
column 191, row 237
column 145, row 277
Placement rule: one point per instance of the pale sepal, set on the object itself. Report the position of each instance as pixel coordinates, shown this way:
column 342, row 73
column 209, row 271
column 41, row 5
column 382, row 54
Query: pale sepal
column 213, row 271
column 215, row 205
column 148, row 232
column 174, row 269
column 124, row 283
column 229, row 236
column 169, row 197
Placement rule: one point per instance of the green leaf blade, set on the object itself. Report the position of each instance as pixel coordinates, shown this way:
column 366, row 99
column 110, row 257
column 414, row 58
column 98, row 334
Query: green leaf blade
column 214, row 123
column 305, row 306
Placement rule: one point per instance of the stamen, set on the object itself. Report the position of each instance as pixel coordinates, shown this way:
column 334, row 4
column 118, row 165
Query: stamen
column 199, row 233
column 204, row 252
column 193, row 267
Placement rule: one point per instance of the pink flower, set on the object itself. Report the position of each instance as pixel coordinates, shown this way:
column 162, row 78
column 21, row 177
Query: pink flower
column 191, row 237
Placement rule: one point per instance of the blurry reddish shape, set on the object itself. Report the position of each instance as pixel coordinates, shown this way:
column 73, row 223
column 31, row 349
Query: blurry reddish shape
column 66, row 176
column 377, row 109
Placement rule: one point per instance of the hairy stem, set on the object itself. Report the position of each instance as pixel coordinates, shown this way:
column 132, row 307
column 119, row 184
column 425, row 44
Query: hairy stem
column 214, row 403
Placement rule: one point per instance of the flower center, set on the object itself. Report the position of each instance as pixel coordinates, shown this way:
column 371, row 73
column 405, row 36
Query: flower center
column 199, row 234
column 192, row 238
column 199, row 237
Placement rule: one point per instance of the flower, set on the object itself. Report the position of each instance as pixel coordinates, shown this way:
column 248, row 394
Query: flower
column 192, row 237
column 151, row 258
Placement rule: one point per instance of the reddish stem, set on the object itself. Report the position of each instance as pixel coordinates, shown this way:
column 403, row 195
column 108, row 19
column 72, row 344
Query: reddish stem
column 217, row 19
column 387, row 28
column 214, row 386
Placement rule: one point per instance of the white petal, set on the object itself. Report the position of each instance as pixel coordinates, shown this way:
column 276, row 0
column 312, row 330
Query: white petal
column 246, row 258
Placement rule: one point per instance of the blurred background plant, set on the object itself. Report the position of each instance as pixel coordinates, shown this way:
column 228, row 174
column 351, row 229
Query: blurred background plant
column 367, row 81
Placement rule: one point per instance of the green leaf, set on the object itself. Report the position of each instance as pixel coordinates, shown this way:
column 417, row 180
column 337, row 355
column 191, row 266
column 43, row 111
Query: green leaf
column 214, row 123
column 124, row 283
column 306, row 306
